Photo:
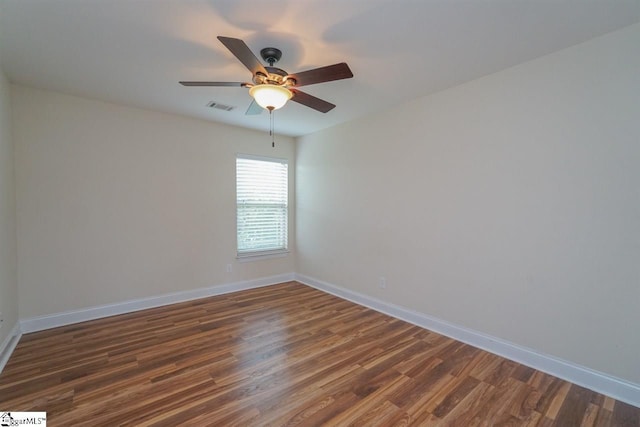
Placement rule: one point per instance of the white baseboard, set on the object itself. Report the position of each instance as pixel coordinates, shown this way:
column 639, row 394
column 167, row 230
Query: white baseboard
column 40, row 323
column 597, row 381
column 9, row 344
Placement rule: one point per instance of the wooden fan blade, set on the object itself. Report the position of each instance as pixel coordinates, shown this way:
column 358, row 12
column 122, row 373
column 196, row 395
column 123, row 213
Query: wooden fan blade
column 311, row 101
column 244, row 54
column 225, row 84
column 254, row 109
column 323, row 74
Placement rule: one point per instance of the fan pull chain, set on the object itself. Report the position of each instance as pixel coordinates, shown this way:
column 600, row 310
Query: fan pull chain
column 271, row 128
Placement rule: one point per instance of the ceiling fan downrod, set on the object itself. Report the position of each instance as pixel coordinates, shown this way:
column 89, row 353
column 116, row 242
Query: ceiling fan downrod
column 271, row 55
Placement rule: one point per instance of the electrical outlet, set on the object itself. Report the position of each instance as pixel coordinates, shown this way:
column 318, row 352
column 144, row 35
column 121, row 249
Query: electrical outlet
column 229, row 268
column 382, row 283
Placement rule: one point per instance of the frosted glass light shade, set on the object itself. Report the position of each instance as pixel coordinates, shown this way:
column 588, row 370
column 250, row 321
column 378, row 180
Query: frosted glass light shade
column 270, row 96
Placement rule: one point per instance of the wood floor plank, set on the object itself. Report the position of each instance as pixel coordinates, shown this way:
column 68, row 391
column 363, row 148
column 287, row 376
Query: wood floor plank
column 575, row 406
column 625, row 415
column 283, row 355
column 467, row 408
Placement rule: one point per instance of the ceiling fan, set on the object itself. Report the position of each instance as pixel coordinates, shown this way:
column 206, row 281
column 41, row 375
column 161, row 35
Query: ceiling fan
column 272, row 87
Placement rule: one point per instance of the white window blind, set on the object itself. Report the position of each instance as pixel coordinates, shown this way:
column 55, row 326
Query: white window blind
column 262, row 205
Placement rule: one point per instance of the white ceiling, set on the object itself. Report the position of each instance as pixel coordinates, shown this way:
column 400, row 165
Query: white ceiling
column 134, row 52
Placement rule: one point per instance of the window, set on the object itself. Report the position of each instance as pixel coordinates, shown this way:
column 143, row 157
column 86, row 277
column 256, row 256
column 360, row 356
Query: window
column 262, row 205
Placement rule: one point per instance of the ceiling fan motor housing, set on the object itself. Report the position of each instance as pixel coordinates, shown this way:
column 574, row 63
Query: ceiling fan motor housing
column 276, row 76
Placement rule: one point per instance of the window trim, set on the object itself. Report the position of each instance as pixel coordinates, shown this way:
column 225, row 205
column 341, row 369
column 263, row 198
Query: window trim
column 255, row 256
column 266, row 253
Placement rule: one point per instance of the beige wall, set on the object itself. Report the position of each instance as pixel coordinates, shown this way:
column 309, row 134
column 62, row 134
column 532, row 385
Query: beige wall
column 117, row 203
column 509, row 205
column 8, row 246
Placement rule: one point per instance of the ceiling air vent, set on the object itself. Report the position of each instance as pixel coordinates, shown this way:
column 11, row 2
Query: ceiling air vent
column 219, row 106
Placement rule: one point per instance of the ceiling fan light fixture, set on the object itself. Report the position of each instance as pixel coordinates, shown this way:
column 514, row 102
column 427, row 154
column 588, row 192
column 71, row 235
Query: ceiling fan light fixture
column 270, row 97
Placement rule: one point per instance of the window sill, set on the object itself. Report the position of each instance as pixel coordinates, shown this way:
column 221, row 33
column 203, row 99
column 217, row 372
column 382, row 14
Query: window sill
column 259, row 256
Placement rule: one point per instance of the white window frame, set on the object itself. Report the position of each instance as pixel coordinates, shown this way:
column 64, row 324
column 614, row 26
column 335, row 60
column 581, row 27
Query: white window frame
column 242, row 253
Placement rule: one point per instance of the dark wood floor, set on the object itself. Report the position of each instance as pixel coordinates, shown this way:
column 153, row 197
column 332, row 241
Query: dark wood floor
column 282, row 355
